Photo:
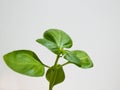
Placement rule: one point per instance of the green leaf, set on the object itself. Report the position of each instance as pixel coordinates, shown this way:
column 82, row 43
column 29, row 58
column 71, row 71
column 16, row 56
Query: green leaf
column 55, row 75
column 50, row 45
column 79, row 58
column 25, row 62
column 55, row 40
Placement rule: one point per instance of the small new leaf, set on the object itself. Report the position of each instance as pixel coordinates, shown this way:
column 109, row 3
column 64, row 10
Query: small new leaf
column 79, row 58
column 25, row 62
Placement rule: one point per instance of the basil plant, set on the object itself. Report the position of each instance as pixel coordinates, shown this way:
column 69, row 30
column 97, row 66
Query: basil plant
column 57, row 41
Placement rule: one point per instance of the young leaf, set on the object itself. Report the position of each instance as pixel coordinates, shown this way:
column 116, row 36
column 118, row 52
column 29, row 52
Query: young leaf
column 56, row 40
column 55, row 75
column 50, row 45
column 79, row 58
column 25, row 62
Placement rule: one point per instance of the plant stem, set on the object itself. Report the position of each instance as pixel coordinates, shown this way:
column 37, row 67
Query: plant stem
column 55, row 64
column 65, row 63
column 56, row 61
column 50, row 88
column 47, row 66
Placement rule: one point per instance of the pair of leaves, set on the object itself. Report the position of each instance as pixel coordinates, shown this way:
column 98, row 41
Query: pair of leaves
column 55, row 75
column 25, row 62
column 55, row 40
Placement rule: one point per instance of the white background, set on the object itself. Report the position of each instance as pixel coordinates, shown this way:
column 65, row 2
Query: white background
column 94, row 26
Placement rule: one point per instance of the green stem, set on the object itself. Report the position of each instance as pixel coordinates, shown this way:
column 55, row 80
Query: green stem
column 65, row 63
column 50, row 88
column 45, row 65
column 55, row 64
column 56, row 61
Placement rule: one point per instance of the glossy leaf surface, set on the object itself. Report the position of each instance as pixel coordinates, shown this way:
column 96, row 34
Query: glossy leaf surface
column 55, row 40
column 25, row 62
column 50, row 45
column 79, row 58
column 55, row 75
